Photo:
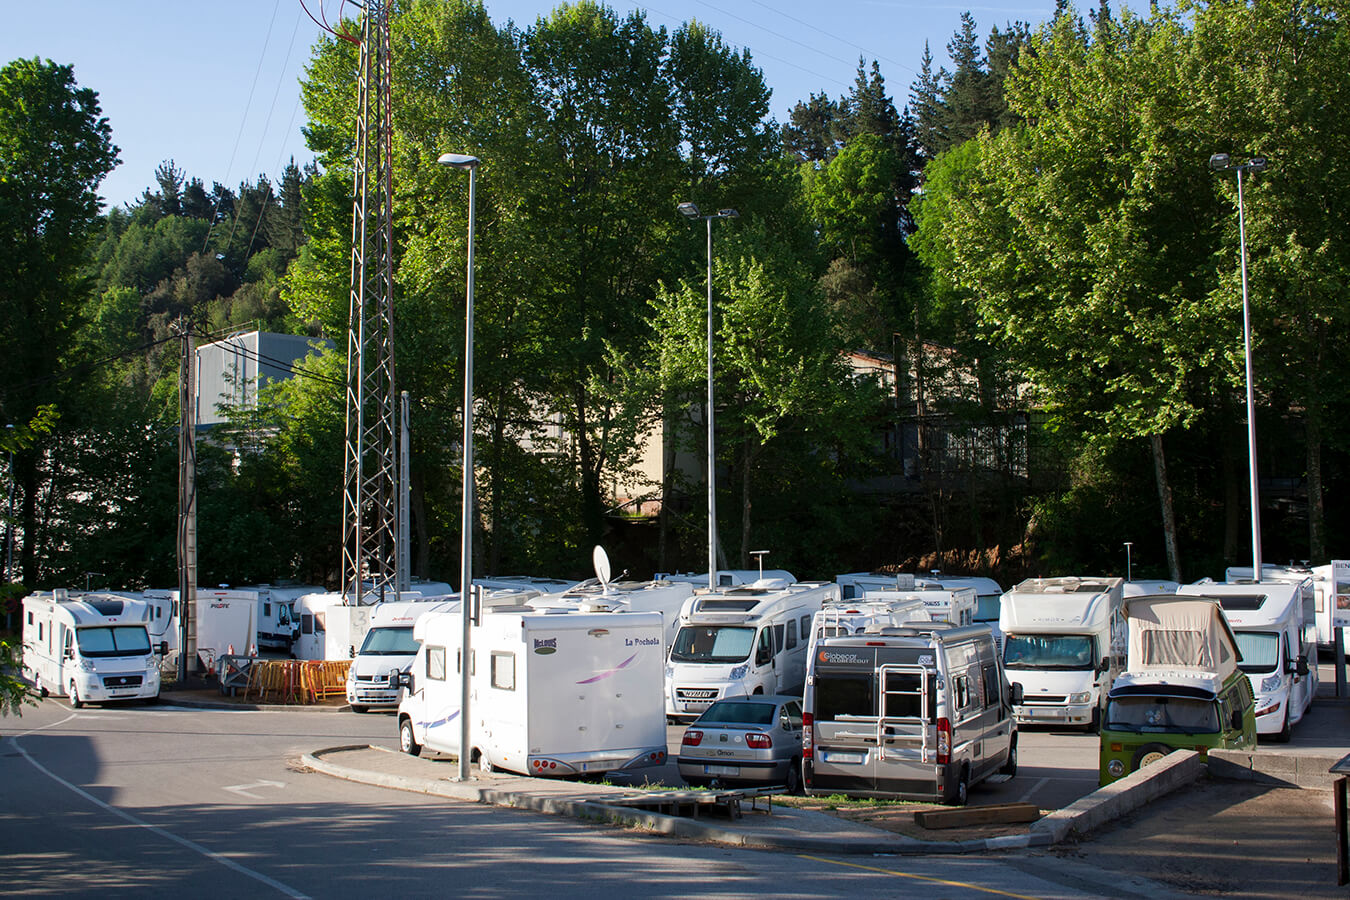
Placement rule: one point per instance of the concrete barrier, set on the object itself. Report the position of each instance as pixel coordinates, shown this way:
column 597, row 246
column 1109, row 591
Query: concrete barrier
column 1281, row 770
column 1108, row 803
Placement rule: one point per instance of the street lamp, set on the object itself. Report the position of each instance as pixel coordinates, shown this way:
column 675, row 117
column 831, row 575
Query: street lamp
column 1128, row 572
column 691, row 210
column 9, row 522
column 1221, row 162
column 460, row 161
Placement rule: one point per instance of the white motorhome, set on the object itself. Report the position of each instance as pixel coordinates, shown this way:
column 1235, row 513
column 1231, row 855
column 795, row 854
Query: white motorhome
column 525, row 583
column 987, row 591
column 664, row 597
column 741, row 641
column 728, row 577
column 389, row 646
column 1149, row 588
column 558, row 693
column 1275, row 640
column 1064, row 642
column 92, row 647
column 955, row 606
column 330, row 629
column 227, row 624
column 1328, row 602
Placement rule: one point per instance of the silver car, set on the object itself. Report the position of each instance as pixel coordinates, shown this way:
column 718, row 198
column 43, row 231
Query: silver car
column 745, row 742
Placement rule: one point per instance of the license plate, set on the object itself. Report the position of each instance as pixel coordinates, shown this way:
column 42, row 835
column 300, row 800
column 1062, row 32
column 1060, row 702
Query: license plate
column 842, row 757
column 721, row 770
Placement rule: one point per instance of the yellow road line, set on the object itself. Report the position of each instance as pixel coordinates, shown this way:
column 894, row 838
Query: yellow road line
column 962, row 884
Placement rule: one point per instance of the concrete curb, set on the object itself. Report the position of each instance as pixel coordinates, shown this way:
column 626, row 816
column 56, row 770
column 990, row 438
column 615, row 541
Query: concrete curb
column 1092, row 811
column 177, row 699
column 1273, row 769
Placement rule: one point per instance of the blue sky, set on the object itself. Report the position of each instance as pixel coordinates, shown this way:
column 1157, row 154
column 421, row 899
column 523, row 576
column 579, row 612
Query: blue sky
column 214, row 86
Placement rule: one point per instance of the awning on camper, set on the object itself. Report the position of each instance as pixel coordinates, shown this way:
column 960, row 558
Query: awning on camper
column 1180, row 633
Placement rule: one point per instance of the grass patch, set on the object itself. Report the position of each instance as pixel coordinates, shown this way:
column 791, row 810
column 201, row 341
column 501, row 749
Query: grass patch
column 844, row 802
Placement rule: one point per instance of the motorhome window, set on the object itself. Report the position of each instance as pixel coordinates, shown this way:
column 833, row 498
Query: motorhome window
column 30, row 617
column 805, row 626
column 845, row 697
column 306, row 623
column 389, row 642
column 713, row 644
column 792, row 634
column 436, row 663
column 992, row 693
column 902, row 695
column 765, row 652
column 39, row 631
column 1260, row 651
column 1048, row 651
column 1162, row 715
column 1166, row 647
column 267, row 609
column 779, row 640
column 113, row 640
column 503, row 670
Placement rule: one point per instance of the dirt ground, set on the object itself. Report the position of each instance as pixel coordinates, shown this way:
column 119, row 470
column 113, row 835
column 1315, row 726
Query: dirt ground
column 1225, row 839
column 899, row 818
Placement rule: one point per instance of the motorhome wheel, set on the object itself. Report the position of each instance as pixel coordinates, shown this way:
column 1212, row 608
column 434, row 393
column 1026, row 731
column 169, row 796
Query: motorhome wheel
column 407, row 742
column 485, row 765
column 39, row 686
column 1149, row 754
column 75, row 701
column 1282, row 736
column 358, row 709
column 1010, row 767
column 1095, row 726
column 960, row 792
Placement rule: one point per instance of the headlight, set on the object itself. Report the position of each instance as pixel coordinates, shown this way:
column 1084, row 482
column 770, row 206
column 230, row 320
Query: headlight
column 1115, row 768
column 1271, row 683
column 1080, row 697
column 739, row 672
column 670, row 672
column 87, row 665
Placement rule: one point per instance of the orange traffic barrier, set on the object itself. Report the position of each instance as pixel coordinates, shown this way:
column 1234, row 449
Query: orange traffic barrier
column 296, row 680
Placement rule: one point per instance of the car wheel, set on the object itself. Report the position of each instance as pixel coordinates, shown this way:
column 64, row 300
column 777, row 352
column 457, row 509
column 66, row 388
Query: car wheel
column 358, row 709
column 407, row 741
column 959, row 793
column 794, row 777
column 1148, row 754
column 39, row 686
column 1282, row 736
column 75, row 701
column 1010, row 766
column 484, row 764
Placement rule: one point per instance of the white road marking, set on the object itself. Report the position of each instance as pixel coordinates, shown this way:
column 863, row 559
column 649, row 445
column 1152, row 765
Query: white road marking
column 243, row 789
column 1034, row 788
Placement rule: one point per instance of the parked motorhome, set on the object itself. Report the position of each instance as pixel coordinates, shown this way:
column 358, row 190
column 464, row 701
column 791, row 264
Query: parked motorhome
column 741, row 641
column 987, row 590
column 331, row 629
column 846, row 617
column 1327, row 594
column 552, row 693
column 1182, row 687
column 729, row 577
column 1149, row 588
column 1063, row 642
column 1279, row 652
column 917, row 712
column 956, row 606
column 664, row 597
column 227, row 623
column 389, row 646
column 90, row 647
column 537, row 583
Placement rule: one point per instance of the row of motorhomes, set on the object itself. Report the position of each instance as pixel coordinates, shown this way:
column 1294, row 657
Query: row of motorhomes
column 914, row 685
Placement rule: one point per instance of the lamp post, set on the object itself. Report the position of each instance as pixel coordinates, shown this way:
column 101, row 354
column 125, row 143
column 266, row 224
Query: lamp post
column 691, row 210
column 9, row 522
column 1221, row 162
column 1128, row 572
column 460, row 161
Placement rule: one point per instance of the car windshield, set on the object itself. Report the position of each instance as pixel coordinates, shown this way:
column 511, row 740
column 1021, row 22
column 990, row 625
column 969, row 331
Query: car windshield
column 739, row 712
column 1048, row 651
column 987, row 607
column 1260, row 651
column 713, row 644
column 113, row 640
column 389, row 642
column 1162, row 715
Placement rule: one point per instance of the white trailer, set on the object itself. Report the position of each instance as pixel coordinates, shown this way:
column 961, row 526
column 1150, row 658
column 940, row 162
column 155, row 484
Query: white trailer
column 557, row 693
column 1149, row 588
column 1064, row 642
column 1277, row 643
column 742, row 641
column 664, row 597
column 93, row 647
column 227, row 624
column 330, row 629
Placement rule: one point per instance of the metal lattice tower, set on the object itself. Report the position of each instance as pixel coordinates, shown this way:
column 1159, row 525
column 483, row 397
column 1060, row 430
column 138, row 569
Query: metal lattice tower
column 370, row 494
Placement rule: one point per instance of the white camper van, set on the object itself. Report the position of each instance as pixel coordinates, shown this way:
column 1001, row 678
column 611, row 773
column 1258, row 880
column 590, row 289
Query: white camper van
column 1273, row 637
column 741, row 641
column 93, row 647
column 1326, row 594
column 552, row 693
column 389, row 646
column 1064, row 642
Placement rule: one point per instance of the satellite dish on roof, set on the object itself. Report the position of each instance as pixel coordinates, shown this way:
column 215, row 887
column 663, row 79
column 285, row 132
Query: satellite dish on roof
column 601, row 561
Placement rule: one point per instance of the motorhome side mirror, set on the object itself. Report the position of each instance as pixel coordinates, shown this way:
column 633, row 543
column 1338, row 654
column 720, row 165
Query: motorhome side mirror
column 1104, row 665
column 351, row 651
column 1015, row 693
column 70, row 653
column 163, row 648
column 1301, row 666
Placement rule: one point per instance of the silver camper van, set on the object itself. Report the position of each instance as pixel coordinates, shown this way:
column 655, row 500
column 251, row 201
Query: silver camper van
column 919, row 712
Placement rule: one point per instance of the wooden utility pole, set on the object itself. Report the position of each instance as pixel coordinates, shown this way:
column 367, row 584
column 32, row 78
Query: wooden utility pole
column 187, row 502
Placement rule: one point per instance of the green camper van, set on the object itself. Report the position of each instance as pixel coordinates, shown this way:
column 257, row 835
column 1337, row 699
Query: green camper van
column 1182, row 689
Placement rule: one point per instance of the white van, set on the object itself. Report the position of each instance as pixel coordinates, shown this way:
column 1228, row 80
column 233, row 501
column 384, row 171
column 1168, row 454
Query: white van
column 1272, row 634
column 917, row 712
column 389, row 646
column 93, row 647
column 1064, row 642
column 557, row 693
column 742, row 641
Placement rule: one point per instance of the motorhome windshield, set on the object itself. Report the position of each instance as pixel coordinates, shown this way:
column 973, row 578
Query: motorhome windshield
column 389, row 642
column 1048, row 651
column 987, row 607
column 1260, row 651
column 113, row 640
column 713, row 644
column 1162, row 715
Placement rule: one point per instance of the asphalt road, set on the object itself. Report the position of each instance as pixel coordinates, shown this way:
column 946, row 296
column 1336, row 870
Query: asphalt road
column 153, row 800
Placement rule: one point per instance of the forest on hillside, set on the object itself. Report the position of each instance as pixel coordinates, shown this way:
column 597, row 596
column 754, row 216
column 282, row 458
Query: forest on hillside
column 1032, row 240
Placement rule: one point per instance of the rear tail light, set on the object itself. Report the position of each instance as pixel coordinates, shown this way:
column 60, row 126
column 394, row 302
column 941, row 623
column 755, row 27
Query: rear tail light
column 808, row 720
column 944, row 741
column 692, row 738
column 758, row 741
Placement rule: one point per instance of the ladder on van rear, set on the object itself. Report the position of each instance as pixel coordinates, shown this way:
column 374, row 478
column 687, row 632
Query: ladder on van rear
column 903, row 700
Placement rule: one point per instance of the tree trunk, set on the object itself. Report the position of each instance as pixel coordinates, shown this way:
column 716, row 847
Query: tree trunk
column 422, row 558
column 1233, row 495
column 1165, row 502
column 746, row 468
column 1317, row 541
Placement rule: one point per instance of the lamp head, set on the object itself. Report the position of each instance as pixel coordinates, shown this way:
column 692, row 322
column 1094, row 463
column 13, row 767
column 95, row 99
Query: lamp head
column 458, row 160
column 728, row 214
column 1257, row 164
column 689, row 209
column 1219, row 161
